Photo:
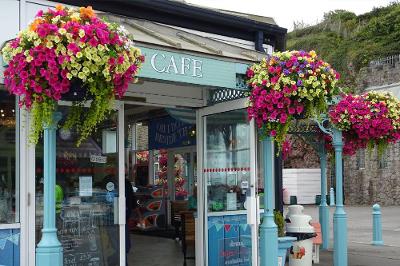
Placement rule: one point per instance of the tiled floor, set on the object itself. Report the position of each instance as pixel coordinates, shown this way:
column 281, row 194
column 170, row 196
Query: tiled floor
column 155, row 251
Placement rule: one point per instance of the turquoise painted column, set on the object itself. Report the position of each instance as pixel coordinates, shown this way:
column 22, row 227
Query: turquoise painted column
column 268, row 228
column 377, row 225
column 323, row 207
column 49, row 251
column 339, row 217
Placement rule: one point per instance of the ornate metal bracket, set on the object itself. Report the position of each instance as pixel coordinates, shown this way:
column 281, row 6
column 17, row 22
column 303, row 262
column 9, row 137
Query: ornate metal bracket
column 321, row 126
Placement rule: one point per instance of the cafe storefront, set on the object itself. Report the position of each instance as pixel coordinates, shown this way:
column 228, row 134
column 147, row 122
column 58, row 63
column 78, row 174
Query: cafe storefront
column 180, row 132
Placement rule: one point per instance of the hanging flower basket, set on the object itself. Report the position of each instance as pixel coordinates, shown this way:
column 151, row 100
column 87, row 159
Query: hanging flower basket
column 70, row 54
column 77, row 91
column 367, row 120
column 286, row 86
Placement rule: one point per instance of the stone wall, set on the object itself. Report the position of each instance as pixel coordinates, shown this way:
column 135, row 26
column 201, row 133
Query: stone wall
column 367, row 178
column 378, row 75
column 302, row 155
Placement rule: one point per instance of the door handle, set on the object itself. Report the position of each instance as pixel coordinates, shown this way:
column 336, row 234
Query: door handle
column 29, row 199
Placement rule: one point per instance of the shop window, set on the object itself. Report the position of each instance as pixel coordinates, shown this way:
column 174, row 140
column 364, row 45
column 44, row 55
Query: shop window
column 228, row 160
column 361, row 159
column 9, row 176
column 87, row 191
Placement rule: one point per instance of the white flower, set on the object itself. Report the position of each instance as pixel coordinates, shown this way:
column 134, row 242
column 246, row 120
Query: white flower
column 122, row 30
column 81, row 33
column 55, row 19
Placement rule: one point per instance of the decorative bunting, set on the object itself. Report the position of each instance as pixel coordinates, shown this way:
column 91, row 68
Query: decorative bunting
column 227, row 227
column 219, row 227
column 244, row 226
column 14, row 239
column 2, row 243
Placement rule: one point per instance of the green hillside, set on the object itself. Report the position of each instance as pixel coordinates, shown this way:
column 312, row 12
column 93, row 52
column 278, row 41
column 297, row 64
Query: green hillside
column 349, row 42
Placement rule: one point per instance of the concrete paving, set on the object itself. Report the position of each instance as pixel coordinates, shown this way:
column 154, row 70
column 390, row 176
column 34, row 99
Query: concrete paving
column 155, row 251
column 360, row 250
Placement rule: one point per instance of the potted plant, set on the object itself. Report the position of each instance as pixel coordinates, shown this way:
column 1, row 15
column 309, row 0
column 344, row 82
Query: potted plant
column 289, row 85
column 70, row 54
column 284, row 242
column 368, row 120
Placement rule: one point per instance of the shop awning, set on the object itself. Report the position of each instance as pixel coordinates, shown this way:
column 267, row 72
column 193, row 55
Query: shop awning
column 148, row 33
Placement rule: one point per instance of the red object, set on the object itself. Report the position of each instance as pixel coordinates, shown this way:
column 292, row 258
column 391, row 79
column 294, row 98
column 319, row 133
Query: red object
column 227, row 227
column 317, row 227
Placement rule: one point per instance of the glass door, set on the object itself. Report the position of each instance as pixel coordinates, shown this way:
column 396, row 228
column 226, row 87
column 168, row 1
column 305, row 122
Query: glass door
column 227, row 170
column 90, row 194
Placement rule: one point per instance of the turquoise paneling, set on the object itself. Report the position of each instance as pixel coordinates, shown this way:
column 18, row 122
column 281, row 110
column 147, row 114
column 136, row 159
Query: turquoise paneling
column 181, row 67
column 229, row 241
column 9, row 247
column 241, row 68
column 215, row 236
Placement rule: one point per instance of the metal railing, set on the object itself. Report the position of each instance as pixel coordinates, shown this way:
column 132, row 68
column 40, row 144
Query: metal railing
column 390, row 60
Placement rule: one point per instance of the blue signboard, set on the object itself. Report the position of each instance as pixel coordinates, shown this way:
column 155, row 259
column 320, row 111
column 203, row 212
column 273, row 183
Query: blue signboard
column 229, row 241
column 167, row 132
column 9, row 247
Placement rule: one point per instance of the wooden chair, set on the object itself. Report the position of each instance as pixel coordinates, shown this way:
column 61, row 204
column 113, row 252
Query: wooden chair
column 188, row 234
column 178, row 206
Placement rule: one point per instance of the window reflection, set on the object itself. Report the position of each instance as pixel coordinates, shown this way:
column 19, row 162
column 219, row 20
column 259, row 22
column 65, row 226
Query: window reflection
column 86, row 195
column 9, row 195
column 228, row 160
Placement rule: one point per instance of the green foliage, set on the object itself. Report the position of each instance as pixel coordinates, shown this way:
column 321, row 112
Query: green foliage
column 85, row 120
column 349, row 42
column 280, row 222
column 42, row 116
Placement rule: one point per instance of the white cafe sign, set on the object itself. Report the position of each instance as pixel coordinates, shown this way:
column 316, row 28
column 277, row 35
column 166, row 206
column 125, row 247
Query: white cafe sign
column 181, row 66
column 187, row 68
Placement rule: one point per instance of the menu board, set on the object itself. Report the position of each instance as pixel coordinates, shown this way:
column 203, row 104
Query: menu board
column 82, row 246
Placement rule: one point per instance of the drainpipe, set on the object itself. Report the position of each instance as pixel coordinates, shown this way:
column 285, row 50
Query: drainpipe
column 259, row 41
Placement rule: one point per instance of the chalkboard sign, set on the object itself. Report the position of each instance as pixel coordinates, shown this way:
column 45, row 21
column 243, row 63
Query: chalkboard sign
column 82, row 246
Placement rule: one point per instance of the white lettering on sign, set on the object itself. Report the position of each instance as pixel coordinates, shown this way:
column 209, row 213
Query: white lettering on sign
column 173, row 65
column 186, row 66
column 98, row 159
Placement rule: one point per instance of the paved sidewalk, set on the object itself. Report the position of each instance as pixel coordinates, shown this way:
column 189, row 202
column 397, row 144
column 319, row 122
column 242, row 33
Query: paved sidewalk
column 360, row 251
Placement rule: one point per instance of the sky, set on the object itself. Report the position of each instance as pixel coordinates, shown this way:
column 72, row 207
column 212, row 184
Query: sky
column 285, row 12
